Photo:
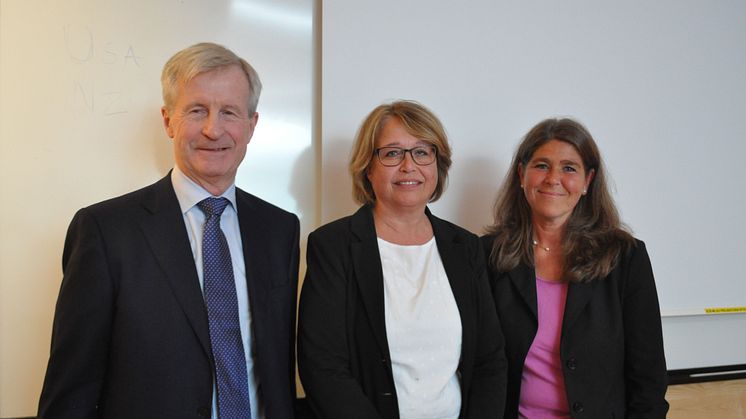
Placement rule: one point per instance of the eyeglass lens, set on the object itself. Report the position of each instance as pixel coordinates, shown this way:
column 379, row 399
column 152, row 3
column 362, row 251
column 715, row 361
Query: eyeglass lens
column 392, row 156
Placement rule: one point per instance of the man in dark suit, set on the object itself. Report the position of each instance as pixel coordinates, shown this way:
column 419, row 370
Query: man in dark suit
column 169, row 307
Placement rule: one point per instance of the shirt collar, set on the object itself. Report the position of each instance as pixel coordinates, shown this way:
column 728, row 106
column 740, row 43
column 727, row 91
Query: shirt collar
column 190, row 194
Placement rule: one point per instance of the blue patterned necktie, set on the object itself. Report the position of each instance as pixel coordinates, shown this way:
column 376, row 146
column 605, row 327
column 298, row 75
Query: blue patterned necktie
column 222, row 315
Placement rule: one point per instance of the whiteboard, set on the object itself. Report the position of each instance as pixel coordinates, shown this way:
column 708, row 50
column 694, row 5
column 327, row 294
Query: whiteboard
column 80, row 122
column 659, row 84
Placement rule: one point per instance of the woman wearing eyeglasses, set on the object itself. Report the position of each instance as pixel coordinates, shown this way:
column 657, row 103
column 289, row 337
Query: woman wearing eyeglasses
column 396, row 318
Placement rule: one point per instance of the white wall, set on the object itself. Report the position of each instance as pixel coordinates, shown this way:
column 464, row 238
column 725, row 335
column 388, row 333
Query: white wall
column 80, row 122
column 660, row 85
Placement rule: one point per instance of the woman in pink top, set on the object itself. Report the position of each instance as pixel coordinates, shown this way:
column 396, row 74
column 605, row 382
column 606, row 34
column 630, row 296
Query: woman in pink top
column 573, row 289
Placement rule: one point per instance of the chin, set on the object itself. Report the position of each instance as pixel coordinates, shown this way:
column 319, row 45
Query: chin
column 214, row 170
column 410, row 204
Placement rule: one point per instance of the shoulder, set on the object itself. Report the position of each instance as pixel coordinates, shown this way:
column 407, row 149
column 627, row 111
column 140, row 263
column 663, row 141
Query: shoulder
column 632, row 253
column 497, row 238
column 637, row 248
column 136, row 201
column 329, row 247
column 633, row 271
column 635, row 261
column 491, row 246
column 487, row 241
column 260, row 207
column 358, row 226
column 334, row 229
column 447, row 230
column 451, row 237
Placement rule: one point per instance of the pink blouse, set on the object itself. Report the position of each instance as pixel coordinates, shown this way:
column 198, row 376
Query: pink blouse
column 542, row 384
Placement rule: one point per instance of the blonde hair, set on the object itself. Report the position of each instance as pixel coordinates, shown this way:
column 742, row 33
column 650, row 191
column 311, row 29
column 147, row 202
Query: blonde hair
column 419, row 122
column 201, row 58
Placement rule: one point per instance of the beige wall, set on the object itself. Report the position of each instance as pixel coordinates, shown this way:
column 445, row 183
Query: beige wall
column 80, row 122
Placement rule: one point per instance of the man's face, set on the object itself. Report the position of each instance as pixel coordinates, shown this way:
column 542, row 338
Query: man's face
column 210, row 126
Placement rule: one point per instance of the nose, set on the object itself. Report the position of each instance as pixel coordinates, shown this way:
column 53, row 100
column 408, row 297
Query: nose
column 552, row 177
column 408, row 164
column 212, row 127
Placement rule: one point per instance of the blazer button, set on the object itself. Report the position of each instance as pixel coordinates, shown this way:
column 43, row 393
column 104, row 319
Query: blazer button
column 577, row 407
column 572, row 364
column 383, row 361
column 203, row 412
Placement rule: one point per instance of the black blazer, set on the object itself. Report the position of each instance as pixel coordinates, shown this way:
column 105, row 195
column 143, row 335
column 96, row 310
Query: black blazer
column 611, row 345
column 343, row 353
column 130, row 336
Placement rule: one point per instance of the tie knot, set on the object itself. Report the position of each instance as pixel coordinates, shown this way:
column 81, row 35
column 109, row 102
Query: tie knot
column 213, row 206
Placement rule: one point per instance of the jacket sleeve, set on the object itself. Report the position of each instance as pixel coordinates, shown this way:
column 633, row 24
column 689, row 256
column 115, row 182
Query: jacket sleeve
column 81, row 330
column 489, row 382
column 323, row 353
column 644, row 361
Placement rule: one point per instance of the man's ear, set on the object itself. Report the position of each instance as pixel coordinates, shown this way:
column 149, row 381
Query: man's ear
column 167, row 122
column 252, row 122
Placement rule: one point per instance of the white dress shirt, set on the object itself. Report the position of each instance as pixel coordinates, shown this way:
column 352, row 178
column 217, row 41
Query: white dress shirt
column 189, row 194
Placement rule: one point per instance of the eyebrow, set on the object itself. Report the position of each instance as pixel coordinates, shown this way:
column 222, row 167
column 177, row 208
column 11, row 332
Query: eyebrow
column 562, row 162
column 420, row 143
column 193, row 104
column 200, row 104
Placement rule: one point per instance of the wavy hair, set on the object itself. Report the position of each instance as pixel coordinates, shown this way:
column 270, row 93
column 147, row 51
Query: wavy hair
column 594, row 236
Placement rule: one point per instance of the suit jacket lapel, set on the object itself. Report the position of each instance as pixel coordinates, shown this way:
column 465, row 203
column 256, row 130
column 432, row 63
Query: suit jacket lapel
column 166, row 234
column 254, row 234
column 578, row 296
column 524, row 281
column 367, row 265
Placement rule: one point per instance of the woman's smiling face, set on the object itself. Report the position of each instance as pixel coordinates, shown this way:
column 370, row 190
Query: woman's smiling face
column 407, row 185
column 553, row 181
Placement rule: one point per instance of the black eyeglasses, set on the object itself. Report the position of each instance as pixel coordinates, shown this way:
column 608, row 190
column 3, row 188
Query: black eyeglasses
column 393, row 156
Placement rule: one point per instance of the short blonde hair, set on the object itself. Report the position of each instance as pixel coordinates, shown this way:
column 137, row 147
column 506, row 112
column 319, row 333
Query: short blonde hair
column 201, row 58
column 419, row 122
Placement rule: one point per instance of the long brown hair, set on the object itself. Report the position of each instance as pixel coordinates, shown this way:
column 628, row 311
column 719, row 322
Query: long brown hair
column 594, row 236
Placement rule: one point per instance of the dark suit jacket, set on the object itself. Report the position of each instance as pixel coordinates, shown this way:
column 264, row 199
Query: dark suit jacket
column 343, row 353
column 611, row 345
column 130, row 336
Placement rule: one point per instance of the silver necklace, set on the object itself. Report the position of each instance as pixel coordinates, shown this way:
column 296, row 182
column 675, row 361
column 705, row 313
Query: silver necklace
column 546, row 249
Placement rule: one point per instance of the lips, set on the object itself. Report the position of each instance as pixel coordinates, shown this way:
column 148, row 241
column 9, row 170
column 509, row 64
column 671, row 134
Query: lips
column 212, row 149
column 550, row 193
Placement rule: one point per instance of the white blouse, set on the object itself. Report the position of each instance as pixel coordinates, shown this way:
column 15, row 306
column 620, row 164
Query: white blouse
column 423, row 328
